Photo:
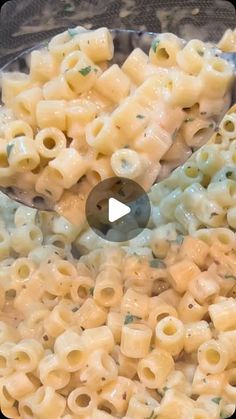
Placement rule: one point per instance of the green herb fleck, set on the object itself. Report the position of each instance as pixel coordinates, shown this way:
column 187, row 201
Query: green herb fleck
column 9, row 148
column 189, row 120
column 211, row 125
column 204, row 380
column 165, row 389
column 130, row 318
column 157, row 263
column 201, row 53
column 216, row 400
column 228, row 174
column 85, row 71
column 126, row 146
column 228, row 276
column 72, row 32
column 152, row 416
column 95, row 70
column 140, row 116
column 124, row 164
column 224, row 415
column 155, row 44
column 69, row 8
column 91, row 291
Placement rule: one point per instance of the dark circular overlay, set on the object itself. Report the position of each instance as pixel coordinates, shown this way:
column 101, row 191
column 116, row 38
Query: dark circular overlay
column 127, row 192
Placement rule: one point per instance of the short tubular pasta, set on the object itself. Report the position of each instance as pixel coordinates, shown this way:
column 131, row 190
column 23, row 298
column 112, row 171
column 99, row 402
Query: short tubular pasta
column 97, row 44
column 23, row 155
column 139, row 329
column 164, row 50
column 26, row 354
column 18, row 128
column 127, row 163
column 154, row 368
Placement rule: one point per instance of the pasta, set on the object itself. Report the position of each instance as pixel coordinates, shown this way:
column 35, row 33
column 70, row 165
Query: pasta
column 58, row 119
column 143, row 329
column 115, row 334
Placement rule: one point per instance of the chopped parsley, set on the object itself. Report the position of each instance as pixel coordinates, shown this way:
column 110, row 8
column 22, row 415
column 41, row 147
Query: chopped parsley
column 228, row 174
column 72, row 32
column 228, row 276
column 201, row 53
column 189, row 120
column 152, row 416
column 85, row 71
column 179, row 239
column 130, row 318
column 91, row 291
column 157, row 263
column 211, row 125
column 69, row 7
column 224, row 415
column 140, row 116
column 155, row 44
column 124, row 164
column 9, row 148
column 216, row 400
column 165, row 389
column 95, row 70
column 126, row 146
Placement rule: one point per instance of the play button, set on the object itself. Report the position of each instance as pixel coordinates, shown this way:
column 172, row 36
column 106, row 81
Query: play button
column 117, row 209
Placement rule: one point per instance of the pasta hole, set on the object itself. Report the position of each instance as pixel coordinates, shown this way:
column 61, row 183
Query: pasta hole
column 25, row 163
column 74, row 357
column 160, row 285
column 83, row 400
column 23, row 272
column 106, row 407
column 192, row 171
column 218, row 66
column 38, row 201
column 28, row 411
column 170, row 329
column 3, row 362
column 82, row 291
column 64, row 270
column 148, row 374
column 59, row 243
column 107, row 293
column 229, row 126
column 218, row 139
column 162, row 54
column 161, row 316
column 49, row 143
column 3, row 161
column 97, row 128
column 34, row 235
column 36, row 170
column 232, row 380
column 22, row 358
column 212, row 356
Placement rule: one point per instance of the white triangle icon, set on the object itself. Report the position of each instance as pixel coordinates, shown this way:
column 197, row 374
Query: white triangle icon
column 117, row 210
